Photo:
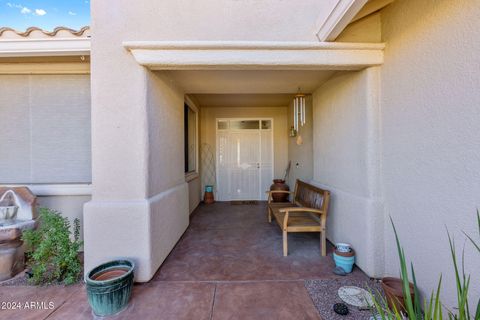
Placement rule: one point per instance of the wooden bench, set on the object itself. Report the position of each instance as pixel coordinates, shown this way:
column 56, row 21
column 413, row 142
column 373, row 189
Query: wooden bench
column 306, row 213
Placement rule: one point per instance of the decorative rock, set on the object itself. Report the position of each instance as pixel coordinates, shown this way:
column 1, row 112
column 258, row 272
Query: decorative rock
column 339, row 271
column 340, row 308
column 17, row 213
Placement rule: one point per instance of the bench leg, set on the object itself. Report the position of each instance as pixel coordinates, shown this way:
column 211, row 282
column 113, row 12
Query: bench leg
column 269, row 215
column 323, row 242
column 285, row 244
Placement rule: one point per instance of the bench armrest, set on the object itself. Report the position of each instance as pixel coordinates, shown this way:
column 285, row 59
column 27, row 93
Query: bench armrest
column 303, row 209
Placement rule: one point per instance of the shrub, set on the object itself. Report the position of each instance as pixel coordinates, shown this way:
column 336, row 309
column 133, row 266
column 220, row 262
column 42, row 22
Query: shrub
column 52, row 255
column 431, row 308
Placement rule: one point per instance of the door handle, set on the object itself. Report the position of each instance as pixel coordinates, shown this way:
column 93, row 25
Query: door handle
column 258, row 165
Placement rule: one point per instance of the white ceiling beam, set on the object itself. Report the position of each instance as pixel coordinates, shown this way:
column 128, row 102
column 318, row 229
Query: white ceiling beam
column 255, row 55
column 339, row 18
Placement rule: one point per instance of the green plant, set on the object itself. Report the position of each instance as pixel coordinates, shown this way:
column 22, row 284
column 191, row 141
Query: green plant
column 432, row 308
column 52, row 255
column 463, row 290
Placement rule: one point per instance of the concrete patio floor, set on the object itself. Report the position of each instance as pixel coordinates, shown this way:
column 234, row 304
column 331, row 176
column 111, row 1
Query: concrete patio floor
column 227, row 265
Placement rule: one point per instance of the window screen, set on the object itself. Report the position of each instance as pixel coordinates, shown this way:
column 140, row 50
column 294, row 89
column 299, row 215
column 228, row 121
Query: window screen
column 45, row 129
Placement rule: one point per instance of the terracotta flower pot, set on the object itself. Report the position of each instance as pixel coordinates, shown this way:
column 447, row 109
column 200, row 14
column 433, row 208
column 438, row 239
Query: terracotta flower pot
column 394, row 293
column 208, row 198
column 279, row 184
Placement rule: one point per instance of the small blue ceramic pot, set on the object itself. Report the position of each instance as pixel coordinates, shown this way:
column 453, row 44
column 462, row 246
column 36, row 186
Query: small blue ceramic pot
column 208, row 188
column 346, row 263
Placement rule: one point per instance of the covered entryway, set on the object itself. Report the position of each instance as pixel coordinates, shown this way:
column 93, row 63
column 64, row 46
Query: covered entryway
column 145, row 194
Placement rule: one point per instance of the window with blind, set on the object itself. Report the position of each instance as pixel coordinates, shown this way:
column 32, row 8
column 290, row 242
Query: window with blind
column 190, row 138
column 45, row 129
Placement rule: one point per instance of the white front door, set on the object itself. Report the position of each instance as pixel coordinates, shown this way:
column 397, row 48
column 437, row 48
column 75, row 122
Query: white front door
column 244, row 158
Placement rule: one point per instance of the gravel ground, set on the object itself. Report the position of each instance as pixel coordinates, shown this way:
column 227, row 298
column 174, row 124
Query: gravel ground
column 22, row 280
column 324, row 295
column 19, row 280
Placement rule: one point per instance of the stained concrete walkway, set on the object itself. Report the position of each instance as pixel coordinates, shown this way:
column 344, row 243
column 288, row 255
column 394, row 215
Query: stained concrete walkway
column 227, row 265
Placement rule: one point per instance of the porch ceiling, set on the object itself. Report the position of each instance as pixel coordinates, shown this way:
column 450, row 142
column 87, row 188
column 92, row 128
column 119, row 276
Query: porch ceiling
column 248, row 81
column 243, row 100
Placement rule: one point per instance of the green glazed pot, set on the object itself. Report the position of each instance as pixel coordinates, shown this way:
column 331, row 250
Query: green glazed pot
column 109, row 287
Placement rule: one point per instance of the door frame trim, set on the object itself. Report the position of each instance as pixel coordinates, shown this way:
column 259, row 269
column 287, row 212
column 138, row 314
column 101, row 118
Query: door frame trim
column 217, row 119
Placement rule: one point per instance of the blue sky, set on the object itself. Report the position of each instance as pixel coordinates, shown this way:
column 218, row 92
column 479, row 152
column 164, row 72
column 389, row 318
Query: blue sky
column 45, row 14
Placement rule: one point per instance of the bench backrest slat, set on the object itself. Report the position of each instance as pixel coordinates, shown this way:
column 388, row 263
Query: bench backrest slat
column 307, row 195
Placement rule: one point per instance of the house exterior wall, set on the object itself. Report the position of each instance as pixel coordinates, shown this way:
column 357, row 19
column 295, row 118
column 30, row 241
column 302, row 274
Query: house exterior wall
column 430, row 136
column 367, row 29
column 139, row 206
column 345, row 149
column 131, row 192
column 135, row 196
column 301, row 154
column 406, row 146
column 214, row 20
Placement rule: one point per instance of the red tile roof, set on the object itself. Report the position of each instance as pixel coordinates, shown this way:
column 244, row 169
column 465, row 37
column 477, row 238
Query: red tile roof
column 83, row 32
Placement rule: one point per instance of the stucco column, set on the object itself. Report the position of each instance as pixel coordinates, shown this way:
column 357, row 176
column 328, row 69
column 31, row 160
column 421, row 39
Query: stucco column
column 346, row 121
column 139, row 206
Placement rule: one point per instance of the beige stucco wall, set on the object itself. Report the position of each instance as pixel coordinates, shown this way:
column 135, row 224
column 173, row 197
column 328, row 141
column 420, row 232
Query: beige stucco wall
column 208, row 117
column 214, row 20
column 139, row 206
column 345, row 149
column 301, row 154
column 431, row 137
column 416, row 158
column 368, row 29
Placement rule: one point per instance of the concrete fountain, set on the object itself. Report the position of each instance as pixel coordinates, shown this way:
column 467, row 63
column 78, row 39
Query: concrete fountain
column 18, row 212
